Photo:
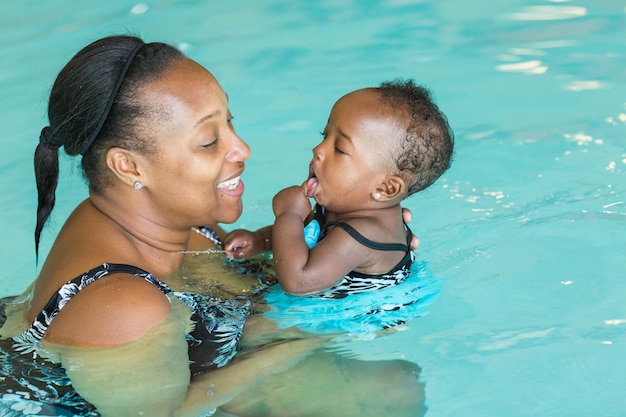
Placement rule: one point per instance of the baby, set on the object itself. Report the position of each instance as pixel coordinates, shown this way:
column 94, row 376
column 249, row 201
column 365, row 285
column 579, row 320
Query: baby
column 380, row 145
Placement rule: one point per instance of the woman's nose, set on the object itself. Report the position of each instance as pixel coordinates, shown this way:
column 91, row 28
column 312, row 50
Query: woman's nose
column 239, row 152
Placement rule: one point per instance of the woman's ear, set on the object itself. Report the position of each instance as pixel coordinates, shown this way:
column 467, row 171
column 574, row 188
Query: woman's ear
column 124, row 165
column 392, row 187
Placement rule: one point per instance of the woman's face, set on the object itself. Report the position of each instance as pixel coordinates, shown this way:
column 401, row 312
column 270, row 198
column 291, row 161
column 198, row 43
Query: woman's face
column 194, row 177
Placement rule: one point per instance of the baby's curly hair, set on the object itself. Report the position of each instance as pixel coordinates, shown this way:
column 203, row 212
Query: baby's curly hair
column 426, row 151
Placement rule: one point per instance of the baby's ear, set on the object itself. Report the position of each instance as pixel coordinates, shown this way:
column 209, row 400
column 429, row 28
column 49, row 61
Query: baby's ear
column 392, row 187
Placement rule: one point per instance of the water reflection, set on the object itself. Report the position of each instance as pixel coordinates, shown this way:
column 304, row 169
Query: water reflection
column 548, row 13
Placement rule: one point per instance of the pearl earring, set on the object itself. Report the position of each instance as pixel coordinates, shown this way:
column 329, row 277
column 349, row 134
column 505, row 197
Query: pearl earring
column 376, row 195
column 138, row 185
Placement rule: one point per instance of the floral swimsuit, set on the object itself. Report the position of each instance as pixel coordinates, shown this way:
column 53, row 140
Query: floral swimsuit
column 45, row 386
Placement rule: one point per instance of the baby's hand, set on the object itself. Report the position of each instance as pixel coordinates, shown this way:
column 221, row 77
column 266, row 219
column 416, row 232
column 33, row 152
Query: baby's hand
column 242, row 243
column 292, row 200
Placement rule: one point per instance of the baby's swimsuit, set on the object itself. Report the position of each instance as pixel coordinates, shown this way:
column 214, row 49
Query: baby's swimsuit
column 376, row 301
column 357, row 282
column 211, row 344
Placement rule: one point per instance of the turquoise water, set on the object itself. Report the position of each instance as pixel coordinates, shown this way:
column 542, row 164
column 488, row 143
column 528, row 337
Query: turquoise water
column 528, row 227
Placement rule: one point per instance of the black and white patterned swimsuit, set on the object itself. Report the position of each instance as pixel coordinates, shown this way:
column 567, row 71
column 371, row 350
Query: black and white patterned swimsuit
column 211, row 344
column 357, row 282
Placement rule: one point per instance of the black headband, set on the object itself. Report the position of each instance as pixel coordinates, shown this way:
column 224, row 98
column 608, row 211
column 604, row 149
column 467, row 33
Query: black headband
column 114, row 92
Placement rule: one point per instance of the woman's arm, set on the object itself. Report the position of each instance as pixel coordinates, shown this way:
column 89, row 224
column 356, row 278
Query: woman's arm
column 216, row 388
column 151, row 377
column 148, row 376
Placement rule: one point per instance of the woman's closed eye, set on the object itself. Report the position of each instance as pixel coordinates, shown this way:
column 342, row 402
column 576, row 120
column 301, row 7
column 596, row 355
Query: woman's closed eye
column 211, row 144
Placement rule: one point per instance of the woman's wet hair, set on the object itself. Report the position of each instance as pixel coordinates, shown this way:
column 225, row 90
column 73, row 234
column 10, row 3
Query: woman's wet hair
column 94, row 105
column 425, row 152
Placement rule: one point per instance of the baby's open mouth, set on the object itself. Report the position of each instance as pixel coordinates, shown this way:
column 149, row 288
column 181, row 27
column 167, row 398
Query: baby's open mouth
column 311, row 185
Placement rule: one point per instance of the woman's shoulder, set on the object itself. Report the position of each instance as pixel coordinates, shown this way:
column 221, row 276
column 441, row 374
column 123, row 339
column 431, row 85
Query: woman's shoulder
column 91, row 263
column 111, row 311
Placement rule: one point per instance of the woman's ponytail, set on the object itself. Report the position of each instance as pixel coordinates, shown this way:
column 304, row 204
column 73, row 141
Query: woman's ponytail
column 93, row 106
column 46, row 163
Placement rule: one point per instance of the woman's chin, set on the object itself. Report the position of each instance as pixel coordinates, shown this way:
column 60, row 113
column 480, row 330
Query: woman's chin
column 231, row 215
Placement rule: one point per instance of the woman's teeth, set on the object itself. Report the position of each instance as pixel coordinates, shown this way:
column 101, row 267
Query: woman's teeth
column 229, row 184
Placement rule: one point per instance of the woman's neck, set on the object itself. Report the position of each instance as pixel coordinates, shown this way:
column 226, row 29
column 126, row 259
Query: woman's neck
column 154, row 240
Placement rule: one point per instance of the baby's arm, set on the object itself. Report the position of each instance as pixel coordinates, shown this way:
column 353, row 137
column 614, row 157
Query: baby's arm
column 241, row 243
column 298, row 269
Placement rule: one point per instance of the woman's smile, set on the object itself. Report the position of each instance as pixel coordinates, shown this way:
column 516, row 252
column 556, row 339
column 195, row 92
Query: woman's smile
column 233, row 186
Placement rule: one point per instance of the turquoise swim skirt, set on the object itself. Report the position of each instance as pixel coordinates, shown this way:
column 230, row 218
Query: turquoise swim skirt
column 358, row 315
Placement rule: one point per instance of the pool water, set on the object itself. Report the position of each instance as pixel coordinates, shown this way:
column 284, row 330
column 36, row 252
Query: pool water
column 528, row 227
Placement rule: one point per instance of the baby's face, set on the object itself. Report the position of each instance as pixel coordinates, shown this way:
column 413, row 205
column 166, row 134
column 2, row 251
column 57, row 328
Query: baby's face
column 355, row 155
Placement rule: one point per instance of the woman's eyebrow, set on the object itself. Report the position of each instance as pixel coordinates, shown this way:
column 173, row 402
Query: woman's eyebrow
column 207, row 117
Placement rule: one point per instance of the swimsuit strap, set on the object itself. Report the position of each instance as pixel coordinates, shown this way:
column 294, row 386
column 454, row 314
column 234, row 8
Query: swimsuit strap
column 210, row 234
column 36, row 331
column 370, row 243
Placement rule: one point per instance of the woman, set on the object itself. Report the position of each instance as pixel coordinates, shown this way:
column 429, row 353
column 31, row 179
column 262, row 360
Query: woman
column 161, row 156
